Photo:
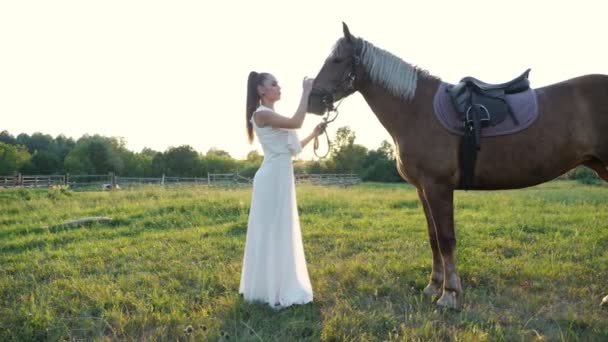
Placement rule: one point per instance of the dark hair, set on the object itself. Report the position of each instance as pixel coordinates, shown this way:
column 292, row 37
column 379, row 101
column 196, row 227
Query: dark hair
column 253, row 98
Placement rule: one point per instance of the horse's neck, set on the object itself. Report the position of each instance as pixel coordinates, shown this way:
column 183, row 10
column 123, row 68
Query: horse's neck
column 397, row 114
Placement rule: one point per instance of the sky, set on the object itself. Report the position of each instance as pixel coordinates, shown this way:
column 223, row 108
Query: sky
column 172, row 73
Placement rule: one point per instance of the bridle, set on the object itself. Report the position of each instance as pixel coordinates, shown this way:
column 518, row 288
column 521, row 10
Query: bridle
column 346, row 86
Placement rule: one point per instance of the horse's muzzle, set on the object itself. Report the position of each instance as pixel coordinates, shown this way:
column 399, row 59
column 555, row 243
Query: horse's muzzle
column 320, row 102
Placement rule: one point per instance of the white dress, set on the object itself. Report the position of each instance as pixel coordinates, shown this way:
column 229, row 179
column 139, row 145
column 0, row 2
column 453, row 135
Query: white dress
column 274, row 266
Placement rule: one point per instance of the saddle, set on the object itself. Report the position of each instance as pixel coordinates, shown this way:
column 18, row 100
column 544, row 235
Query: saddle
column 481, row 105
column 489, row 99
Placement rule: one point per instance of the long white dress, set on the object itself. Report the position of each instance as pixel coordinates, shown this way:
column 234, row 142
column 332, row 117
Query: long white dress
column 274, row 266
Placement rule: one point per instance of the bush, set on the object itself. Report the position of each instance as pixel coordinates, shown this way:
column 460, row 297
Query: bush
column 581, row 174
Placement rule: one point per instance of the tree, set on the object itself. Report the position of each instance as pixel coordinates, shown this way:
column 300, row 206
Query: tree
column 43, row 163
column 347, row 157
column 182, row 161
column 249, row 166
column 316, row 167
column 148, row 152
column 217, row 152
column 7, row 138
column 344, row 137
column 254, row 157
column 95, row 155
column 23, row 139
column 63, row 146
column 40, row 142
column 159, row 166
column 380, row 165
column 12, row 158
column 350, row 159
column 48, row 153
column 212, row 163
column 137, row 164
column 387, row 150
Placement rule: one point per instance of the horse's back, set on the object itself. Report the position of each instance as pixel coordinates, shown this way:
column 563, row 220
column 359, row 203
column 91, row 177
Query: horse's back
column 581, row 96
column 582, row 102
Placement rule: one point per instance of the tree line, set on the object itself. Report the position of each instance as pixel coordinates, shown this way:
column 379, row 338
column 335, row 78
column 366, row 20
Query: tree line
column 42, row 154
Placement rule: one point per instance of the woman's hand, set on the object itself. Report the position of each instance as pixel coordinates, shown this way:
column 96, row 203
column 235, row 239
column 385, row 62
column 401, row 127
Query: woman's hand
column 319, row 129
column 307, row 84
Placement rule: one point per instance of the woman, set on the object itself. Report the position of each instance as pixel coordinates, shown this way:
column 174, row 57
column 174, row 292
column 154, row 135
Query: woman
column 274, row 266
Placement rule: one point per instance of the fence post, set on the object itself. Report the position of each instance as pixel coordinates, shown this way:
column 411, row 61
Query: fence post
column 112, row 181
column 19, row 179
column 208, row 179
column 162, row 180
column 67, row 179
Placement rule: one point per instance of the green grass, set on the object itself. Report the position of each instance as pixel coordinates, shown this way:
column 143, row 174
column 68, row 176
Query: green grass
column 534, row 265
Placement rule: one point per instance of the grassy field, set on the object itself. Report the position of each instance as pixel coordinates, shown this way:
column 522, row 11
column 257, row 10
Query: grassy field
column 534, row 265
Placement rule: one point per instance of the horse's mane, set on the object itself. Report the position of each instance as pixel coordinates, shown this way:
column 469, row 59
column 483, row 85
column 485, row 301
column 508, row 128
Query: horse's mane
column 397, row 76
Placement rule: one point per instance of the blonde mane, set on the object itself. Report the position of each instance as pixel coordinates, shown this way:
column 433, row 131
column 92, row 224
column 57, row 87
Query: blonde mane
column 397, row 76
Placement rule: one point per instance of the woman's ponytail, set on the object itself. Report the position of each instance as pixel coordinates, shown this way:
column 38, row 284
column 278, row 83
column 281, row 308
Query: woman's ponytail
column 253, row 99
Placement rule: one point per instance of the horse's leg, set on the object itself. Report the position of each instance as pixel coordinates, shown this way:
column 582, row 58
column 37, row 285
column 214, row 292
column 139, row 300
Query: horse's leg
column 434, row 288
column 440, row 200
column 600, row 168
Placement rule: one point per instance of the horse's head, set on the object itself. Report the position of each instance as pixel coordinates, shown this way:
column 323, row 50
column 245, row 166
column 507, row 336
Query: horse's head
column 337, row 78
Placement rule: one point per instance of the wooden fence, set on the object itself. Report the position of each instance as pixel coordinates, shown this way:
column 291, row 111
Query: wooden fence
column 32, row 181
column 344, row 179
column 227, row 179
column 112, row 181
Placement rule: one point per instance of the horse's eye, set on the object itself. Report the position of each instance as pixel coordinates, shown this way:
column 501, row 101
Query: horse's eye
column 337, row 60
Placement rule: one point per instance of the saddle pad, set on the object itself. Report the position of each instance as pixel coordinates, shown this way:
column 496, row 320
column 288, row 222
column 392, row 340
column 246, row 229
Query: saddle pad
column 523, row 104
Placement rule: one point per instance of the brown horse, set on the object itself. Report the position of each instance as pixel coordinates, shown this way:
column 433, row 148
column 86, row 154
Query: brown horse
column 571, row 130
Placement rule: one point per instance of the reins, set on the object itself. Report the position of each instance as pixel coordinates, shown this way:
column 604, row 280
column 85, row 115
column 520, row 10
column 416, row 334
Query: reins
column 326, row 121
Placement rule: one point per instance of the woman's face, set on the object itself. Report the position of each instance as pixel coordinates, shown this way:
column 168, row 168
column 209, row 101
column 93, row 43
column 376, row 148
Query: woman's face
column 270, row 89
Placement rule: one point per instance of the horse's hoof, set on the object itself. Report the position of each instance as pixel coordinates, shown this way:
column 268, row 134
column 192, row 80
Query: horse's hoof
column 432, row 290
column 604, row 302
column 450, row 300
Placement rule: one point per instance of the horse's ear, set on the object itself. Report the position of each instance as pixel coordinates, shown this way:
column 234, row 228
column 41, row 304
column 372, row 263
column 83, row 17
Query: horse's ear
column 347, row 34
